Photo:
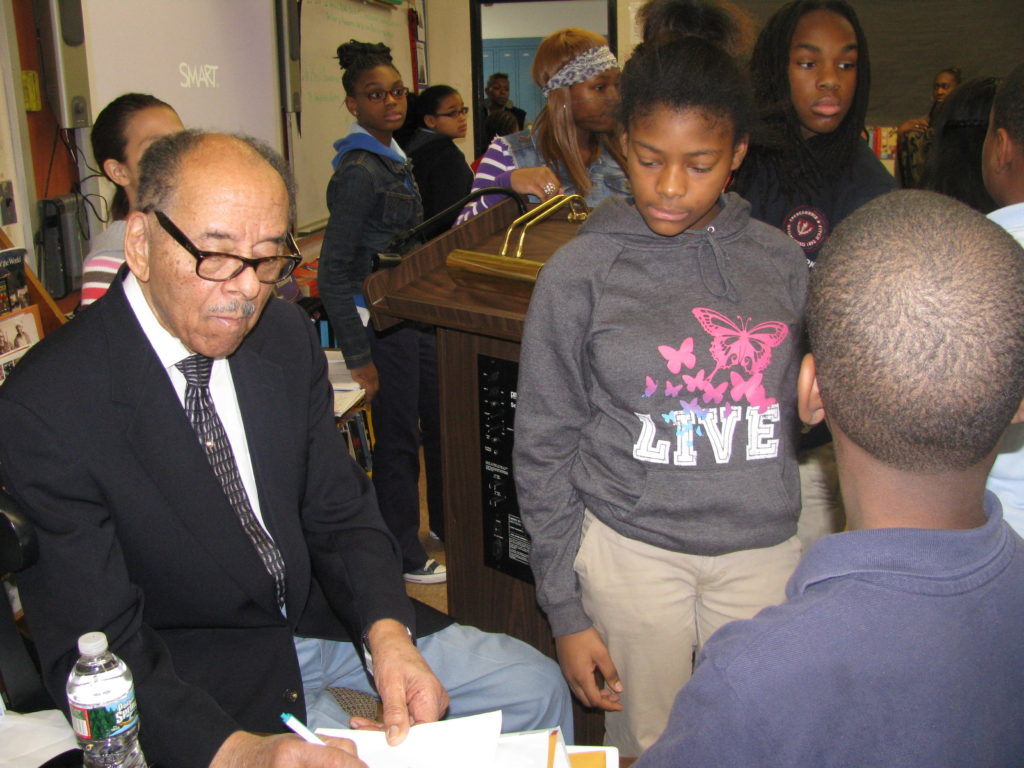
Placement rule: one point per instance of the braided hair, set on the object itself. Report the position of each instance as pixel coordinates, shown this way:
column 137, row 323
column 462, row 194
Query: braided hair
column 777, row 142
column 355, row 58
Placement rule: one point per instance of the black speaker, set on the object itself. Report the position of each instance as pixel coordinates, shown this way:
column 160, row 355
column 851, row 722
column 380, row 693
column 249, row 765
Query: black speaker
column 65, row 72
column 62, row 235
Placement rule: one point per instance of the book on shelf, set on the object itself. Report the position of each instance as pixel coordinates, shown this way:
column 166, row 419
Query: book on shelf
column 13, row 283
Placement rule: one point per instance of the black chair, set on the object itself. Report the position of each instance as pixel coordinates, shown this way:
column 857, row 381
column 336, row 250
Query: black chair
column 20, row 674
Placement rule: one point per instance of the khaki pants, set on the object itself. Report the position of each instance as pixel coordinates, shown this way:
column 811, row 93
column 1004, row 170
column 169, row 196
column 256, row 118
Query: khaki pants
column 655, row 609
column 821, row 505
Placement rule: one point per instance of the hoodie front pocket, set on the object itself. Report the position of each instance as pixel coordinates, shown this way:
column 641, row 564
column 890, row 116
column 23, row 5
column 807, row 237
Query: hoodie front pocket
column 714, row 510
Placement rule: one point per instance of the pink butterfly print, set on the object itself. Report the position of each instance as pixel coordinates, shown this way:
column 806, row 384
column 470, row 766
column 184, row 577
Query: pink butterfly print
column 743, row 387
column 672, row 390
column 714, row 394
column 733, row 344
column 750, row 389
column 651, row 388
column 693, row 383
column 677, row 358
column 759, row 401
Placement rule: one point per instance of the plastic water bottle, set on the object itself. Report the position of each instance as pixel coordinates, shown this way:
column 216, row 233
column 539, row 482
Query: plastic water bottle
column 102, row 703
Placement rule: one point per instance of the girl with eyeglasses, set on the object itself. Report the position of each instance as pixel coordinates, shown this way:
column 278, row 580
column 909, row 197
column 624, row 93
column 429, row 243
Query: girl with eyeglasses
column 439, row 166
column 372, row 196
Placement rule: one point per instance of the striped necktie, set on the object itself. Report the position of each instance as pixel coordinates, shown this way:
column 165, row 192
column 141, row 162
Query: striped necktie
column 210, row 431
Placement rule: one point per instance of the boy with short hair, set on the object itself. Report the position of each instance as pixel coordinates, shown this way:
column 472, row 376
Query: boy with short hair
column 900, row 643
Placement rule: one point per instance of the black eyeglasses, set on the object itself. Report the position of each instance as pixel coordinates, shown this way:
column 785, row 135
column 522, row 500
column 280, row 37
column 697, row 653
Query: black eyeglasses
column 220, row 267
column 398, row 93
column 453, row 113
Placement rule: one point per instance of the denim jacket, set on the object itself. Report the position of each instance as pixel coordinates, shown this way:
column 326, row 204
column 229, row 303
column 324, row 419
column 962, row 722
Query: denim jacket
column 606, row 177
column 371, row 197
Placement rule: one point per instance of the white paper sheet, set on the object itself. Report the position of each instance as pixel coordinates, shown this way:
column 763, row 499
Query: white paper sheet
column 463, row 742
column 34, row 738
column 529, row 749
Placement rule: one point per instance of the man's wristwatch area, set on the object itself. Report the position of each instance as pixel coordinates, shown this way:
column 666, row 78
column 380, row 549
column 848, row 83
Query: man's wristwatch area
column 365, row 640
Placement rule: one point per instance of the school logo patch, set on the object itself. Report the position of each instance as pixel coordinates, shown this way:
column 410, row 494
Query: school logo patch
column 808, row 226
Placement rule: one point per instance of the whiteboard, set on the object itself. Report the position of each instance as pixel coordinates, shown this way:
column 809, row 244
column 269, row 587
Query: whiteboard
column 324, row 25
column 214, row 61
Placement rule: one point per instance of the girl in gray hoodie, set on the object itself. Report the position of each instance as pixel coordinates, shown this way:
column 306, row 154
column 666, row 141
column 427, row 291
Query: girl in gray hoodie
column 655, row 428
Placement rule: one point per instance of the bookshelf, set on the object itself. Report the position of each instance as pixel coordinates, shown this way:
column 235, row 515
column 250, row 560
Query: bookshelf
column 52, row 315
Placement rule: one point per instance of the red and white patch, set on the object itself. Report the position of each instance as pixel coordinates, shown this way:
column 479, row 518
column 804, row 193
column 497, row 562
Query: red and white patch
column 808, row 226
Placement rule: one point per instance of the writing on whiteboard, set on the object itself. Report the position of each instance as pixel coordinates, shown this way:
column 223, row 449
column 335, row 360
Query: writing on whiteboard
column 198, row 76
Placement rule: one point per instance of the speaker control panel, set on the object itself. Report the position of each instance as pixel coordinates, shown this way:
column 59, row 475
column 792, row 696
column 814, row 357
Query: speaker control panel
column 506, row 542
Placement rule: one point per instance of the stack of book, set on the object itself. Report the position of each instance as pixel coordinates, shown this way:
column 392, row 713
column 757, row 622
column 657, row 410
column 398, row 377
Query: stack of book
column 350, row 411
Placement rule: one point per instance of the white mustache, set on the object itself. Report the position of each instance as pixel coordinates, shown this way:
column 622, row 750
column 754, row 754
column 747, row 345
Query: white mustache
column 245, row 308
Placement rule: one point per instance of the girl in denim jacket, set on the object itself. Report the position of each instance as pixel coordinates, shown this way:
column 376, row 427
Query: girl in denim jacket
column 372, row 196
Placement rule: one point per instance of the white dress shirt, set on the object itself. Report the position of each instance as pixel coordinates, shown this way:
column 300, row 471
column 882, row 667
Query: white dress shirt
column 170, row 350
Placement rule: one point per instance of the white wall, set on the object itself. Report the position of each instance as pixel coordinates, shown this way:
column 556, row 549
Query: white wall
column 15, row 161
column 541, row 19
column 628, row 34
column 449, row 57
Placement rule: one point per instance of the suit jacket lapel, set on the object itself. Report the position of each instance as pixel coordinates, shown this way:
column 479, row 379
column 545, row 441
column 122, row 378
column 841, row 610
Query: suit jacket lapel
column 167, row 448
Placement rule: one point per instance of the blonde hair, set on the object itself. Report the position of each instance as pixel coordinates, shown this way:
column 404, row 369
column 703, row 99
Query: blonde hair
column 554, row 130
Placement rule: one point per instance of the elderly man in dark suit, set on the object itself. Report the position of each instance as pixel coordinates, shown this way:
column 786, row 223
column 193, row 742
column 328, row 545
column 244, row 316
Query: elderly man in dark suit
column 241, row 573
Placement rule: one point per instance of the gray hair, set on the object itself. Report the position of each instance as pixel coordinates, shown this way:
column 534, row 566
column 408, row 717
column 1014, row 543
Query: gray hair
column 160, row 166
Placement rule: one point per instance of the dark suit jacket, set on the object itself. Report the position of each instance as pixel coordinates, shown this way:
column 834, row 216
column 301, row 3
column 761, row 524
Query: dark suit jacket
column 137, row 538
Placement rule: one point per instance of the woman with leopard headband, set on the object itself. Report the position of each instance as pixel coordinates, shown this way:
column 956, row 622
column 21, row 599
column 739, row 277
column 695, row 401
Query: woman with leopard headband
column 574, row 144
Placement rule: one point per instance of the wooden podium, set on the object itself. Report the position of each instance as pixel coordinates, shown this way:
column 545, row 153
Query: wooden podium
column 472, row 320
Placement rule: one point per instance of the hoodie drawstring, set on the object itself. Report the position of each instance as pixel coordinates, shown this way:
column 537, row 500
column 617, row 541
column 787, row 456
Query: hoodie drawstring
column 724, row 287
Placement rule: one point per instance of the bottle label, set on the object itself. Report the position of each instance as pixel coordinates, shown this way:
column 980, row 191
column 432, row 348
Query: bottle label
column 103, row 722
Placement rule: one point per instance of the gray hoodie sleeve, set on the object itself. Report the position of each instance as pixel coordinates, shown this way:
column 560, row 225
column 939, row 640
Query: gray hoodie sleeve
column 552, row 407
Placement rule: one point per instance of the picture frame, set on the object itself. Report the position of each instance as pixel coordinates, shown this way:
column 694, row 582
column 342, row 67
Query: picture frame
column 19, row 330
column 9, row 360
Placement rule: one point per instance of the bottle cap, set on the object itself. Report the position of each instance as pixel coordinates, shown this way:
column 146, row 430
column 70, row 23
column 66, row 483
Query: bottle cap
column 92, row 643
